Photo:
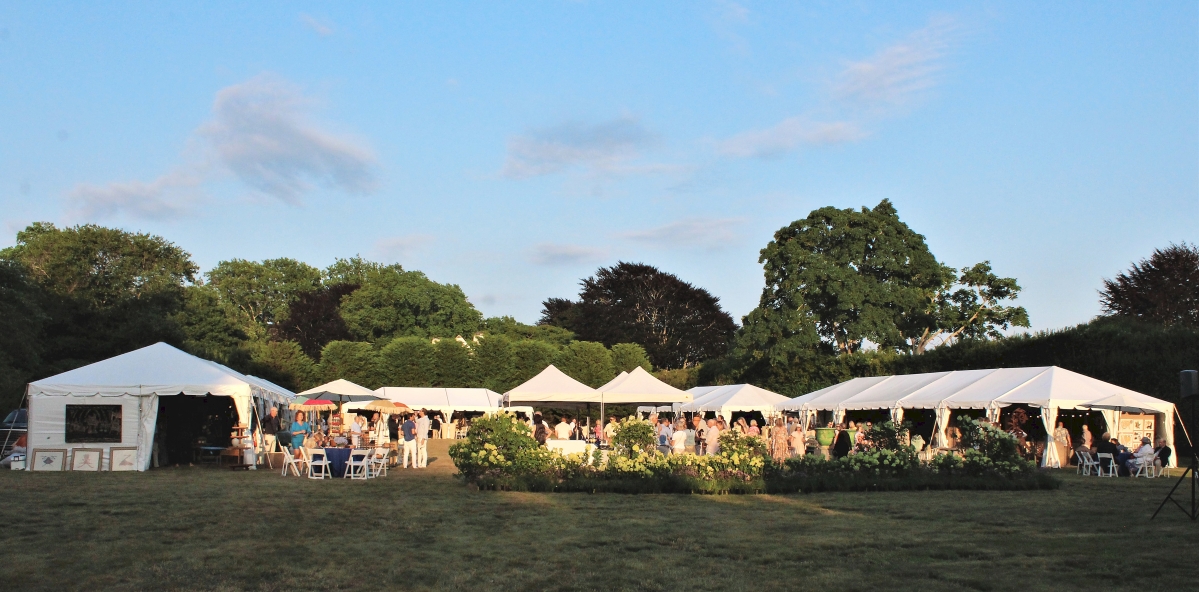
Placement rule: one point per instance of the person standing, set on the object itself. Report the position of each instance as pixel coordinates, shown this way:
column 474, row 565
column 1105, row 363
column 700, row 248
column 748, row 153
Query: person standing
column 409, row 431
column 563, row 430
column 779, row 444
column 712, row 438
column 1061, row 440
column 299, row 430
column 842, row 444
column 270, row 429
column 435, row 425
column 1088, row 439
column 610, row 430
column 698, row 426
column 422, row 438
column 799, row 440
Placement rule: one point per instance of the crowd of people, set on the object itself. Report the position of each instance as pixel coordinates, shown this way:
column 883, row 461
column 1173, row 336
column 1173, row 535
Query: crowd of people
column 407, row 434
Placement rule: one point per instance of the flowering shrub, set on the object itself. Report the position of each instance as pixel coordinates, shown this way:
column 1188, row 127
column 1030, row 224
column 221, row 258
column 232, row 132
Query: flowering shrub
column 499, row 453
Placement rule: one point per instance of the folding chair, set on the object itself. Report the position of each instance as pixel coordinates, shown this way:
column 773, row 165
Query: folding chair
column 1106, row 461
column 358, row 465
column 318, row 465
column 298, row 466
column 378, row 462
column 1145, row 467
column 1086, row 463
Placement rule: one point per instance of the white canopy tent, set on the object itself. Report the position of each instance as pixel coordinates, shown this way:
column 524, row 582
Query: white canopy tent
column 1050, row 388
column 135, row 381
column 641, row 387
column 726, row 400
column 614, row 381
column 552, row 386
column 445, row 400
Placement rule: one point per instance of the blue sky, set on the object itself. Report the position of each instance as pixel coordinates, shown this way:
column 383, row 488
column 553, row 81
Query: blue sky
column 512, row 148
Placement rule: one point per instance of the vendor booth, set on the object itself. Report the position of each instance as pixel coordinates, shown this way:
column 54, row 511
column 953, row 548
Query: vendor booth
column 1048, row 388
column 115, row 404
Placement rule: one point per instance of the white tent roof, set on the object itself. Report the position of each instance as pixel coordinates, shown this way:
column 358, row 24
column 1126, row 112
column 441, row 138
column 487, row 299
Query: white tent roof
column 552, row 385
column 614, row 381
column 1131, row 402
column 340, row 388
column 642, row 387
column 736, row 397
column 458, row 399
column 161, row 370
column 700, row 391
column 1047, row 386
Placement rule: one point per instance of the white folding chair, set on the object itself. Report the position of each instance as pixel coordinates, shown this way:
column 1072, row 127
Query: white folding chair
column 1106, row 461
column 318, row 464
column 358, row 465
column 1145, row 467
column 378, row 462
column 298, row 466
column 1086, row 463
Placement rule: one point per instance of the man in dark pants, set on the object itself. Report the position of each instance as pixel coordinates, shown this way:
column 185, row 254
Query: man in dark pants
column 270, row 429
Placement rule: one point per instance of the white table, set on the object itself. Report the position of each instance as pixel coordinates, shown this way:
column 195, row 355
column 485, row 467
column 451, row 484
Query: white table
column 569, row 446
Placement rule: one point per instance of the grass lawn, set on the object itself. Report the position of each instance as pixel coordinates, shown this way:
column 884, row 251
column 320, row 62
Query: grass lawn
column 203, row 528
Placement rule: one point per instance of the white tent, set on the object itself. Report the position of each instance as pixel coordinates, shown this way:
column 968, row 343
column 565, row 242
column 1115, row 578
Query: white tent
column 552, row 385
column 641, row 387
column 732, row 398
column 614, row 381
column 1049, row 388
column 340, row 390
column 446, row 400
column 135, row 381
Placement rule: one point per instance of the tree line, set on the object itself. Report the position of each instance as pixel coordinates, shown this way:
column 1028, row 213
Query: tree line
column 846, row 293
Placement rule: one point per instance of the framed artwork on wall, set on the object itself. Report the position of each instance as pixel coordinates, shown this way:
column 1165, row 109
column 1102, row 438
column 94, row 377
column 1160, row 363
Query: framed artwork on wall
column 86, row 459
column 123, row 459
column 49, row 459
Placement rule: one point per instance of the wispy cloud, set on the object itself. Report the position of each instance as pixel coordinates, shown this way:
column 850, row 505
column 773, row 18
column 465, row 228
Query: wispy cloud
column 168, row 196
column 559, row 254
column 262, row 134
column 900, row 72
column 787, row 135
column 893, row 78
column 319, row 26
column 397, row 248
column 605, row 147
column 708, row 233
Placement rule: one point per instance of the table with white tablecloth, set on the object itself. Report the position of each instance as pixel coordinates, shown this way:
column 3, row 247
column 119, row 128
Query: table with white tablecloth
column 569, row 446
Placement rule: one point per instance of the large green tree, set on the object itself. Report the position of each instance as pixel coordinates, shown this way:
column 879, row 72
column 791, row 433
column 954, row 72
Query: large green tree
column 396, row 303
column 407, row 361
column 969, row 306
column 21, row 338
column 105, row 291
column 263, row 291
column 1162, row 289
column 587, row 362
column 857, row 274
column 678, row 324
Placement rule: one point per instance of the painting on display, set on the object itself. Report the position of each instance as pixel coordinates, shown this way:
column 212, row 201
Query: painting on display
column 86, row 459
column 123, row 459
column 49, row 460
column 87, row 424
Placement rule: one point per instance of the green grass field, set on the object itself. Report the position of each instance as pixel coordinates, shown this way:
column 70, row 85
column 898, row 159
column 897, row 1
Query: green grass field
column 208, row 529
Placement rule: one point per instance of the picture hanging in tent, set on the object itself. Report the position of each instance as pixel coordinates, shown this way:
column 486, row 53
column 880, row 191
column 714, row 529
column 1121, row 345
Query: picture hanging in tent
column 87, row 424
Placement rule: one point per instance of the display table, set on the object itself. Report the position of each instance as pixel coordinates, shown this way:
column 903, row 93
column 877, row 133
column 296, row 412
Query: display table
column 337, row 458
column 569, row 446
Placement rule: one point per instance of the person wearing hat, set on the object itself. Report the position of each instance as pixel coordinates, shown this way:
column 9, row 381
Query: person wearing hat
column 1143, row 454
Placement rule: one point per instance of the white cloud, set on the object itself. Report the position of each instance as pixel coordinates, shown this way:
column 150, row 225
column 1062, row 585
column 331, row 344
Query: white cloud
column 397, row 248
column 168, row 196
column 604, row 148
column 320, row 27
column 259, row 132
column 900, row 72
column 710, row 233
column 559, row 254
column 892, row 78
column 787, row 135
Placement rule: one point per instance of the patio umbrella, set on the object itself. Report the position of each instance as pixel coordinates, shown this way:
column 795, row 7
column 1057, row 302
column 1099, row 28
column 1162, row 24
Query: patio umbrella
column 388, row 407
column 314, row 405
column 341, row 391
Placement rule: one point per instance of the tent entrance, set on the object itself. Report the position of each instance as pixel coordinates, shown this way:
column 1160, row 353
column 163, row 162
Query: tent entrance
column 190, row 428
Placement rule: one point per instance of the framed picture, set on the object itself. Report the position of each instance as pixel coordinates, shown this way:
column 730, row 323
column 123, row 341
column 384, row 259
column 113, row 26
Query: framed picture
column 86, row 459
column 123, row 459
column 47, row 459
column 91, row 424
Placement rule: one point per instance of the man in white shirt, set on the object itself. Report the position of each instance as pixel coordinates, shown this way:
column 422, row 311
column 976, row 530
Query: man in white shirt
column 1144, row 452
column 610, row 429
column 422, row 438
column 712, row 438
column 563, row 430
